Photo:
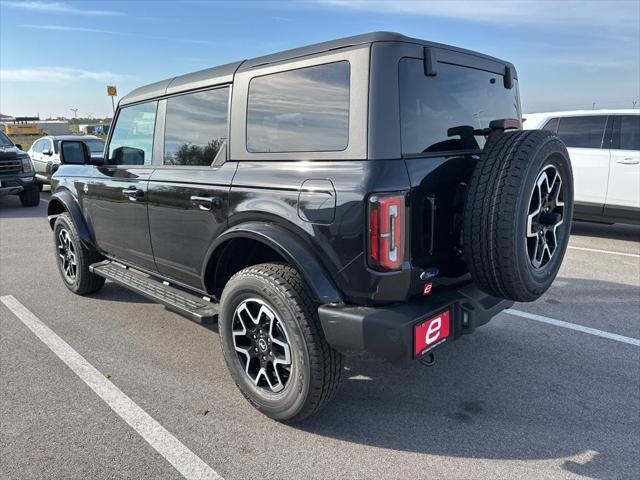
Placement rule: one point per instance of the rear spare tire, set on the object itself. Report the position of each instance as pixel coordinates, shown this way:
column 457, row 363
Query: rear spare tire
column 517, row 215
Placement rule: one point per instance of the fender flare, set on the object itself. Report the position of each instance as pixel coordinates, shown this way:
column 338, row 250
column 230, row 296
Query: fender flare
column 70, row 204
column 291, row 248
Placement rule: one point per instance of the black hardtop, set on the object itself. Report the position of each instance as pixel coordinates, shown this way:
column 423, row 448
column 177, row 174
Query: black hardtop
column 224, row 73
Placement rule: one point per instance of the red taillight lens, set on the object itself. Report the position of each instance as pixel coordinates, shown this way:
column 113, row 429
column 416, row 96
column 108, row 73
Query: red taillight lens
column 386, row 231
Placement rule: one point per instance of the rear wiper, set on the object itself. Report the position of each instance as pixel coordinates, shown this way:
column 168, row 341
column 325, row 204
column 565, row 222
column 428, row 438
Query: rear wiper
column 496, row 128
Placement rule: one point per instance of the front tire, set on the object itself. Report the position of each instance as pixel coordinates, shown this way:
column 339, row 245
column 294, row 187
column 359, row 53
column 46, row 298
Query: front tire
column 73, row 258
column 273, row 343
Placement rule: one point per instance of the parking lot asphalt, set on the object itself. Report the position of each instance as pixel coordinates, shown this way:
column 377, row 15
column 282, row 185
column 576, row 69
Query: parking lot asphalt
column 517, row 399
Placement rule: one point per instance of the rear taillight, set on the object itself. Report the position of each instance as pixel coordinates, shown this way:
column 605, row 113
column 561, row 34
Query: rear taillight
column 386, row 231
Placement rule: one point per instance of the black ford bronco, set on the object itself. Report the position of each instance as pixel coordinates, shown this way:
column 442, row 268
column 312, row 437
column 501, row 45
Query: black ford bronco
column 371, row 196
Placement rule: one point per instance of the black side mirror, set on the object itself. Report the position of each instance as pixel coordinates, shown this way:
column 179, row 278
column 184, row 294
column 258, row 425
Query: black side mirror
column 47, row 152
column 74, row 152
column 18, row 146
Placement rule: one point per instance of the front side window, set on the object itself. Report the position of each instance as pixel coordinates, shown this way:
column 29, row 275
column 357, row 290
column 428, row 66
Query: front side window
column 627, row 129
column 300, row 110
column 132, row 138
column 439, row 113
column 196, row 127
column 582, row 132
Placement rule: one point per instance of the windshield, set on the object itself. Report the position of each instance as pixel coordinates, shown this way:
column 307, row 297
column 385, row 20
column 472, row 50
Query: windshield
column 438, row 113
column 95, row 145
column 4, row 140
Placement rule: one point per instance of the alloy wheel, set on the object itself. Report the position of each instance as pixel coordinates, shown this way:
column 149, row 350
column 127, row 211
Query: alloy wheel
column 67, row 255
column 262, row 344
column 546, row 214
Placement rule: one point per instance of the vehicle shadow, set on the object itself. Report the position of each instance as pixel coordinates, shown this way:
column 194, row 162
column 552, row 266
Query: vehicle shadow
column 112, row 292
column 513, row 390
column 10, row 207
column 618, row 231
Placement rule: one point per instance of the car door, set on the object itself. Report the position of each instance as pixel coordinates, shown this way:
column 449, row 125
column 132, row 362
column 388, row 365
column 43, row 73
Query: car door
column 35, row 152
column 188, row 192
column 584, row 136
column 623, row 194
column 116, row 195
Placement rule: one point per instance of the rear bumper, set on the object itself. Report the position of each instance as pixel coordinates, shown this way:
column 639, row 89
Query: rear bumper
column 388, row 332
column 14, row 185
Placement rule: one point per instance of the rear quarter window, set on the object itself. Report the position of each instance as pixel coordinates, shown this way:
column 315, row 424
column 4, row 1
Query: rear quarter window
column 301, row 110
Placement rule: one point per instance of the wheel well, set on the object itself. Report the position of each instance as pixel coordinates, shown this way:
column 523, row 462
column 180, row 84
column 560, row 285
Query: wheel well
column 234, row 255
column 56, row 207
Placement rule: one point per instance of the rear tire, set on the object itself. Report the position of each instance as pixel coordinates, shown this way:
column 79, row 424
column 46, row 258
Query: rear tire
column 311, row 377
column 74, row 267
column 518, row 213
column 30, row 197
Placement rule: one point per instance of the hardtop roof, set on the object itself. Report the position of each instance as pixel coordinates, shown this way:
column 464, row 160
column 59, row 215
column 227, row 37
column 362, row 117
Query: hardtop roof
column 224, row 73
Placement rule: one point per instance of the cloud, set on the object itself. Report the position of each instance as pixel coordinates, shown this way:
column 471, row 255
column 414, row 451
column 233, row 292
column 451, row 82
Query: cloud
column 59, row 7
column 53, row 74
column 67, row 28
column 571, row 12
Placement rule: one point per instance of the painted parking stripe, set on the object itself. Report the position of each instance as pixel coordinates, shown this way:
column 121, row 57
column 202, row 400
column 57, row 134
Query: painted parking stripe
column 573, row 326
column 597, row 250
column 174, row 451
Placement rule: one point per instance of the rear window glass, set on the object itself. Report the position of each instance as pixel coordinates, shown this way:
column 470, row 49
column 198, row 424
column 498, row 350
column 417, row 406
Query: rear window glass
column 196, row 127
column 582, row 132
column 299, row 110
column 439, row 113
column 629, row 132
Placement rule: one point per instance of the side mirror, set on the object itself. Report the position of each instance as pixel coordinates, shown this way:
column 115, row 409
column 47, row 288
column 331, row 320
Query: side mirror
column 18, row 146
column 47, row 152
column 74, row 152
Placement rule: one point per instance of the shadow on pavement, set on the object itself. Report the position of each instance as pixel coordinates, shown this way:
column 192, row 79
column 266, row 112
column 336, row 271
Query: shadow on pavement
column 511, row 391
column 618, row 231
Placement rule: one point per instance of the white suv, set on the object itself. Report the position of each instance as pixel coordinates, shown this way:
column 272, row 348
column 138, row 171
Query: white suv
column 604, row 146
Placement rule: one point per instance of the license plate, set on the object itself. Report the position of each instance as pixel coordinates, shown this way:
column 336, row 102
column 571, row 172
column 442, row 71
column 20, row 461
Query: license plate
column 432, row 332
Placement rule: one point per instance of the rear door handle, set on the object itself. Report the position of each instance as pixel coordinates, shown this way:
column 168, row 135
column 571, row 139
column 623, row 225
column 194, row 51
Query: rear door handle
column 132, row 193
column 206, row 203
column 628, row 161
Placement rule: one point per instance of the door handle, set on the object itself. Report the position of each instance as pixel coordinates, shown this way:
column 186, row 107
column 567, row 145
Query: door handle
column 132, row 193
column 206, row 203
column 628, row 161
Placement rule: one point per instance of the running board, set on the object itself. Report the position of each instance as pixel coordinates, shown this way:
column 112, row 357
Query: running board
column 191, row 306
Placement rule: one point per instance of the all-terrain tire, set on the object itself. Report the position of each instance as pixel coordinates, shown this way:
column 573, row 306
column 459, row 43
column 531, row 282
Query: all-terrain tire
column 497, row 247
column 30, row 197
column 83, row 282
column 316, row 368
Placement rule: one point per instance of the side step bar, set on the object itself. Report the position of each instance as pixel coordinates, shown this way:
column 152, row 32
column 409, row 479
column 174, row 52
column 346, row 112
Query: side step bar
column 191, row 306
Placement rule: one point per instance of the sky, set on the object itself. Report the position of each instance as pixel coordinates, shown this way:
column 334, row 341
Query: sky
column 59, row 55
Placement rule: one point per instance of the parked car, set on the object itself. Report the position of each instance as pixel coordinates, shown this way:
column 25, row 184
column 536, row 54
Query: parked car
column 17, row 176
column 46, row 156
column 330, row 200
column 604, row 146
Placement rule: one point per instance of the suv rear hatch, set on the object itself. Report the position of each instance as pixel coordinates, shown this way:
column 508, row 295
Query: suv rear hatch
column 439, row 113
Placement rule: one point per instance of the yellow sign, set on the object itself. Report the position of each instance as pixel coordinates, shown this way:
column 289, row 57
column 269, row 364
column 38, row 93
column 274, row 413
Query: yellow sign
column 112, row 91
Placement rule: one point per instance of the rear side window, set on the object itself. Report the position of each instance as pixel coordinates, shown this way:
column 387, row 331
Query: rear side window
column 582, row 132
column 626, row 134
column 552, row 125
column 132, row 138
column 196, row 127
column 299, row 110
column 439, row 113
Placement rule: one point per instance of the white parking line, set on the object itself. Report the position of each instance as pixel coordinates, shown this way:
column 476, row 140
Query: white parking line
column 596, row 250
column 573, row 326
column 174, row 451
